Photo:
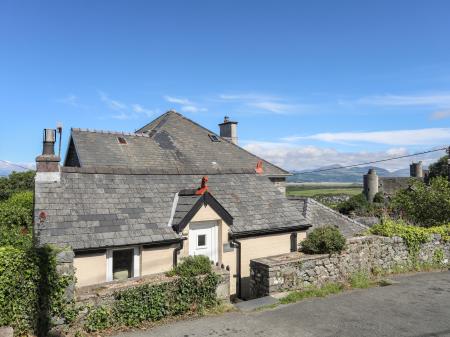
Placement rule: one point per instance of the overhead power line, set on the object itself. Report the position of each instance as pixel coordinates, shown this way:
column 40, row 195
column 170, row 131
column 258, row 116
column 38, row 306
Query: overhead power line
column 372, row 162
column 16, row 165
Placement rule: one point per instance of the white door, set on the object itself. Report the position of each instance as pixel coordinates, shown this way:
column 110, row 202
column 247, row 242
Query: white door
column 203, row 239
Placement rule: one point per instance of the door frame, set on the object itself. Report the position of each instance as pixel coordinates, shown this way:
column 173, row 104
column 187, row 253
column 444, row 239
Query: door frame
column 214, row 225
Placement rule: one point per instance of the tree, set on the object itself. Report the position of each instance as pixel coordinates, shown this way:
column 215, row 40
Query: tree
column 439, row 168
column 424, row 205
column 16, row 182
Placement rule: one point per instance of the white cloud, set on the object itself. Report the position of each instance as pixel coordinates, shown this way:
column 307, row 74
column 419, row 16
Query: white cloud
column 264, row 103
column 433, row 100
column 431, row 136
column 440, row 115
column 111, row 103
column 70, row 99
column 185, row 104
column 141, row 110
column 177, row 100
column 296, row 157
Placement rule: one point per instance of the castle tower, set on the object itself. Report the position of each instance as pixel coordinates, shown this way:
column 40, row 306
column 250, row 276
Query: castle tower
column 370, row 185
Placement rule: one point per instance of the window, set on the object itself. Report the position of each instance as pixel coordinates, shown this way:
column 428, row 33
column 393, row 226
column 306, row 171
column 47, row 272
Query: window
column 201, row 240
column 122, row 263
column 214, row 138
column 122, row 140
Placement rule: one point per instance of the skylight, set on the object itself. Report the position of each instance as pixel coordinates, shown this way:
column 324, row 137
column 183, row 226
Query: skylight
column 121, row 140
column 214, row 138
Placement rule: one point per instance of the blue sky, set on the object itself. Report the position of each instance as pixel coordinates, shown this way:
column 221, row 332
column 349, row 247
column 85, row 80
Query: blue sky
column 311, row 83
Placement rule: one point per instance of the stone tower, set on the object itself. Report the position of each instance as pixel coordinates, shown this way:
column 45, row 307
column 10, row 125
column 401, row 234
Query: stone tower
column 416, row 170
column 370, row 185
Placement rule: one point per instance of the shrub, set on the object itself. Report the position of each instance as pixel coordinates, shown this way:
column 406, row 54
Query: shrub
column 424, row 205
column 98, row 319
column 359, row 205
column 324, row 240
column 192, row 266
column 414, row 236
column 16, row 182
column 378, row 198
column 439, row 168
column 19, row 280
column 16, row 220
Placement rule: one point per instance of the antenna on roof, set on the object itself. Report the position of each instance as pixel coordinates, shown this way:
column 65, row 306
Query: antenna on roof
column 59, row 128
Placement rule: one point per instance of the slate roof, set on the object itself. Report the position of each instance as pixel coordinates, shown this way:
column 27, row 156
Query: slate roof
column 102, row 210
column 319, row 215
column 171, row 143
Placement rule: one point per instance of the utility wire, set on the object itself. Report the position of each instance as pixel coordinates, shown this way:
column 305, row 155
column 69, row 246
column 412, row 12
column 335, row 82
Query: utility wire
column 11, row 164
column 372, row 162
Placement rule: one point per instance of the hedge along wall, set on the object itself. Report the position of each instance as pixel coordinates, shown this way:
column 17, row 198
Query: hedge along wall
column 148, row 298
column 33, row 290
column 370, row 254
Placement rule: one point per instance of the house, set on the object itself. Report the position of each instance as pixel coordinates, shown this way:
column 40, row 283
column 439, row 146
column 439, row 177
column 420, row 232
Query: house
column 134, row 204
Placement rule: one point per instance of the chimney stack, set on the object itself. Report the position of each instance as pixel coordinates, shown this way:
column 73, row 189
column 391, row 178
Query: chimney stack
column 228, row 130
column 47, row 164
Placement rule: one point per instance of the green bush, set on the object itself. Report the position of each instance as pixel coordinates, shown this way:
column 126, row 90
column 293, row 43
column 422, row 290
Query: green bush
column 98, row 319
column 19, row 281
column 152, row 302
column 16, row 216
column 16, row 182
column 192, row 266
column 324, row 240
column 439, row 168
column 359, row 205
column 414, row 236
column 424, row 205
column 378, row 198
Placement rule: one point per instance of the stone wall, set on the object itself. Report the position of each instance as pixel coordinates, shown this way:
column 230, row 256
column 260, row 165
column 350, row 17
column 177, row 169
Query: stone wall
column 295, row 271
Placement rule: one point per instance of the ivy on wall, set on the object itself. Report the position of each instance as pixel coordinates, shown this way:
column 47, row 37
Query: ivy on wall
column 189, row 293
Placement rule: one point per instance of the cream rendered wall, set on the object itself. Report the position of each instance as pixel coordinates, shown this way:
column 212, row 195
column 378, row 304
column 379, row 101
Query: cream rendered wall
column 157, row 259
column 90, row 268
column 206, row 213
column 262, row 246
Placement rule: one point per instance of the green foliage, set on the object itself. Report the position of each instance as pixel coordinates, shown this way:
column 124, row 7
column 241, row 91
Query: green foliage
column 360, row 280
column 378, row 198
column 439, row 168
column 359, row 205
column 192, row 266
column 98, row 319
column 53, row 301
column 16, row 220
column 152, row 302
column 414, row 236
column 424, row 205
column 16, row 182
column 438, row 257
column 324, row 240
column 325, row 290
column 19, row 279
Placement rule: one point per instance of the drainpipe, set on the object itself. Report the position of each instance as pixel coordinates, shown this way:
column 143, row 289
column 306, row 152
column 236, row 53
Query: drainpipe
column 236, row 244
column 294, row 242
column 177, row 250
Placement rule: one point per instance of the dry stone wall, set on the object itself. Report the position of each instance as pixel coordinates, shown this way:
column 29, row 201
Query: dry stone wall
column 295, row 271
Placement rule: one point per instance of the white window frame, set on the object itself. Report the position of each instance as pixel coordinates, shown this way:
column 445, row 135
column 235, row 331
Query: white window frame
column 136, row 262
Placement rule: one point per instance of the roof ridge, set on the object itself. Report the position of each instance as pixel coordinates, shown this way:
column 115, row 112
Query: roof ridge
column 137, row 134
column 212, row 132
column 312, row 201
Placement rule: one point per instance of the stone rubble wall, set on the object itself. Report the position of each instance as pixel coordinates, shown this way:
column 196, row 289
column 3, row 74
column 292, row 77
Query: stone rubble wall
column 295, row 271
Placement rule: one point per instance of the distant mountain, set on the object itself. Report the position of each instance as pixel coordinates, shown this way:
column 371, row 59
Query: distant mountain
column 6, row 168
column 342, row 175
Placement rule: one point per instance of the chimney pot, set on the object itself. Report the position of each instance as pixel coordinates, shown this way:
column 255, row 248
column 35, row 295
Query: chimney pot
column 48, row 162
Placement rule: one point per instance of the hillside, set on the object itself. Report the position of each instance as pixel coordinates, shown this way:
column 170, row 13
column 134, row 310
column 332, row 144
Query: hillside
column 344, row 175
